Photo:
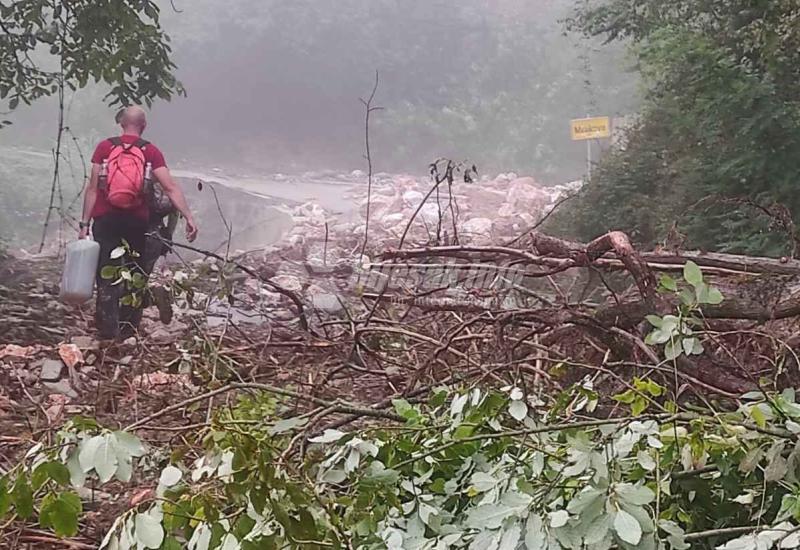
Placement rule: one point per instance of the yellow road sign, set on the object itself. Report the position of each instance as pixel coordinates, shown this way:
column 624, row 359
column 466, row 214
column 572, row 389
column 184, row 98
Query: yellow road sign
column 590, row 128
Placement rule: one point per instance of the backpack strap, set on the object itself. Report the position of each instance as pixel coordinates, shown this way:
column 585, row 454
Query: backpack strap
column 117, row 142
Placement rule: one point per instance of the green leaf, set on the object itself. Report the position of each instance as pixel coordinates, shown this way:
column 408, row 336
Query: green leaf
column 39, row 477
column 639, row 405
column 58, row 473
column 109, row 272
column 483, row 482
column 171, row 543
column 634, row 495
column 105, row 458
column 668, row 283
column 627, row 397
column 758, row 416
column 62, row 514
column 598, row 529
column 692, row 274
column 287, row 425
column 5, row 497
column 328, row 436
column 23, row 498
column 655, row 320
column 77, row 476
column 488, row 516
column 128, row 442
column 672, row 350
column 535, row 537
column 148, row 530
column 117, row 253
column 518, row 410
column 510, row 538
column 170, row 476
column 559, row 518
column 654, row 389
column 627, row 528
column 691, row 346
column 714, row 296
column 687, row 297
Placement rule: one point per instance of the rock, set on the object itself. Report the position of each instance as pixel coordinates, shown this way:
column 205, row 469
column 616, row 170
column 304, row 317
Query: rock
column 51, row 370
column 380, row 205
column 413, row 198
column 392, row 220
column 70, row 354
column 85, row 342
column 15, row 351
column 270, row 298
column 164, row 335
column 54, row 407
column 429, row 213
column 324, row 300
column 506, row 210
column 62, row 387
column 479, row 230
column 524, row 195
column 289, row 282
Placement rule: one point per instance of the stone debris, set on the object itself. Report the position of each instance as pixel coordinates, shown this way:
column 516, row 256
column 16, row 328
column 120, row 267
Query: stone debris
column 62, row 387
column 85, row 342
column 70, row 354
column 51, row 370
column 17, row 352
column 317, row 258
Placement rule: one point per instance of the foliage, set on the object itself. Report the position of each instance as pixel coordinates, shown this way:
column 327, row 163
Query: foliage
column 721, row 120
column 123, row 271
column 46, row 478
column 677, row 332
column 472, row 469
column 45, row 44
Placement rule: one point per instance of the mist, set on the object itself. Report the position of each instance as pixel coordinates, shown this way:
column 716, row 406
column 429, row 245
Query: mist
column 274, row 86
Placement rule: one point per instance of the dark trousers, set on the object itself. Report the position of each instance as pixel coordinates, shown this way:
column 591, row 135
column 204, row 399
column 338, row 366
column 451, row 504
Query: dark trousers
column 112, row 319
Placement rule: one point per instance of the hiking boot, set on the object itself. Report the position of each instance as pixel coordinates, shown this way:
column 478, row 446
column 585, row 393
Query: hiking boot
column 163, row 301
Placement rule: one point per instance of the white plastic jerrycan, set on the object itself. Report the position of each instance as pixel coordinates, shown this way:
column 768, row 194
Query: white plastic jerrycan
column 77, row 281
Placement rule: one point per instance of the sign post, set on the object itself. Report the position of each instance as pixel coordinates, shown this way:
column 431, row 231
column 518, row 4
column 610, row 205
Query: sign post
column 587, row 129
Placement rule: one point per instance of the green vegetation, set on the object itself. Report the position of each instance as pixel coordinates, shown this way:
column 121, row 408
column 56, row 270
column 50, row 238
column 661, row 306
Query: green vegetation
column 717, row 142
column 473, row 468
column 47, row 45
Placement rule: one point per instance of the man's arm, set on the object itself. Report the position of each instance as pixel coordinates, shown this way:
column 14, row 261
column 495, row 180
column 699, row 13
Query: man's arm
column 89, row 198
column 175, row 194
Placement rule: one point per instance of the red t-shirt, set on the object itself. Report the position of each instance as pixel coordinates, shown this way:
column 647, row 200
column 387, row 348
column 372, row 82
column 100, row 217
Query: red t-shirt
column 152, row 154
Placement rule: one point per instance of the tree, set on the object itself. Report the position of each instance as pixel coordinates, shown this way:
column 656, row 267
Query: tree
column 717, row 144
column 48, row 44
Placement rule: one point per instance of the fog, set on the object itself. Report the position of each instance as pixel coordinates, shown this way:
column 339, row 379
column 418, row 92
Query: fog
column 274, row 86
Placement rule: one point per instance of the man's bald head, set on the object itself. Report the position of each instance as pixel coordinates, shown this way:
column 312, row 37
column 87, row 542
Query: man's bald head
column 133, row 119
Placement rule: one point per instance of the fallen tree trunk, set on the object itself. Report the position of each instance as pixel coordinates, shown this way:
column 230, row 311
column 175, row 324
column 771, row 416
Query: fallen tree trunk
column 619, row 324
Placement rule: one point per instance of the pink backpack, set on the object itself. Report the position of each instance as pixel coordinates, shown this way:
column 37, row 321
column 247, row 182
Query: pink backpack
column 125, row 177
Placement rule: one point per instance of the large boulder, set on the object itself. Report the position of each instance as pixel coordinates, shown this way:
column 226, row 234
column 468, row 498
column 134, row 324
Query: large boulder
column 525, row 196
column 413, row 198
column 477, row 230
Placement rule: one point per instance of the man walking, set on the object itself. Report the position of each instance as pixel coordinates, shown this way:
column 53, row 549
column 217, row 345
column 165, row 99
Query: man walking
column 117, row 204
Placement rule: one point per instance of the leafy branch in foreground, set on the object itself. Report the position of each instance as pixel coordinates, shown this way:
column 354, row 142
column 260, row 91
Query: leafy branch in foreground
column 678, row 332
column 45, row 46
column 478, row 470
